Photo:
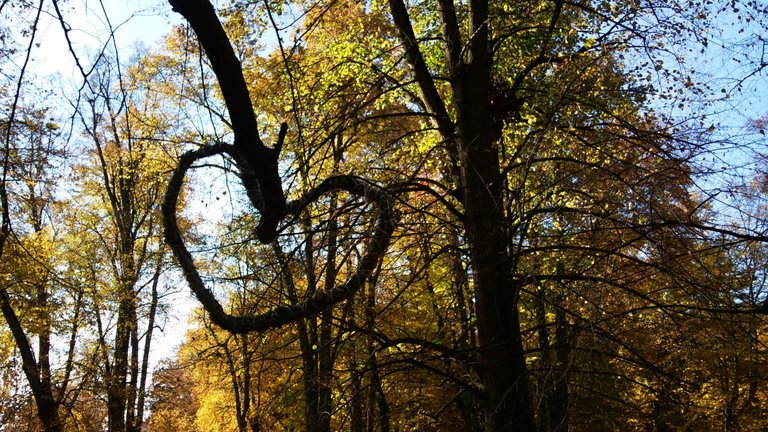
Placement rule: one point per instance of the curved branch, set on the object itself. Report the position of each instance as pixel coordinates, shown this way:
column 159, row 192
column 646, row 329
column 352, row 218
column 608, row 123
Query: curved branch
column 256, row 162
column 284, row 314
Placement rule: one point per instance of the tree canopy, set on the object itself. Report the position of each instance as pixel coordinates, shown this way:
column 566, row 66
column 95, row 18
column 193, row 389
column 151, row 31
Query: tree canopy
column 484, row 216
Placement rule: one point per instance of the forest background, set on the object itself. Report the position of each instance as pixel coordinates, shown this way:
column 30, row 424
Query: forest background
column 483, row 215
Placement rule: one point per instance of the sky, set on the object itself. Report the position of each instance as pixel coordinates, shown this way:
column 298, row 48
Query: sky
column 133, row 21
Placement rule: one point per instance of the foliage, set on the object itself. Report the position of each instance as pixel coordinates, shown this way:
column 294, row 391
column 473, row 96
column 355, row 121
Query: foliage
column 565, row 256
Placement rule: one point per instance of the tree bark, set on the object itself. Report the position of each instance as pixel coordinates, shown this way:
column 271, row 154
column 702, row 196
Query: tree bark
column 116, row 391
column 472, row 140
column 147, row 346
column 47, row 407
column 132, row 385
column 325, row 359
column 356, row 403
column 377, row 397
column 507, row 399
column 560, row 400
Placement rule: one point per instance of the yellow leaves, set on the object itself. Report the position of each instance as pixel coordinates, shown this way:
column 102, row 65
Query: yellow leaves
column 28, row 259
column 216, row 412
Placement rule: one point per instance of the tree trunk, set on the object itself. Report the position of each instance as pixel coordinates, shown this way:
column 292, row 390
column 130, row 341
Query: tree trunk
column 356, row 403
column 116, row 391
column 147, row 346
column 545, row 362
column 325, row 358
column 131, row 388
column 472, row 142
column 47, row 408
column 246, row 398
column 467, row 402
column 377, row 397
column 306, row 329
column 507, row 400
column 508, row 403
column 559, row 412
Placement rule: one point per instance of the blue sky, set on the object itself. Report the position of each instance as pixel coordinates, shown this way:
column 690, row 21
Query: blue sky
column 134, row 21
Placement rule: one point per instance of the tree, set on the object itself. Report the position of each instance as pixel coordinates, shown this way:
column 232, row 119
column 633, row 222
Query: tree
column 512, row 78
column 558, row 261
column 173, row 403
column 29, row 258
column 123, row 182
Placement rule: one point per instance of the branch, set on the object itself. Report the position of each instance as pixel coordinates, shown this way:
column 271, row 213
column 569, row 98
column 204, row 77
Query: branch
column 285, row 314
column 257, row 163
column 202, row 17
column 413, row 56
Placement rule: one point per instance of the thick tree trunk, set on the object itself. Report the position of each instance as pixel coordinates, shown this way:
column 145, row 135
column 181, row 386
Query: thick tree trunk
column 118, row 388
column 507, row 400
column 472, row 142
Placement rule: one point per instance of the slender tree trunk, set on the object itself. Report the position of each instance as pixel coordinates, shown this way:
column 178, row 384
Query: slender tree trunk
column 131, row 388
column 47, row 408
column 246, row 355
column 377, row 401
column 466, row 401
column 731, row 420
column 44, row 338
column 306, row 329
column 356, row 404
column 378, row 395
column 545, row 362
column 559, row 412
column 325, row 352
column 147, row 346
column 325, row 372
column 310, row 378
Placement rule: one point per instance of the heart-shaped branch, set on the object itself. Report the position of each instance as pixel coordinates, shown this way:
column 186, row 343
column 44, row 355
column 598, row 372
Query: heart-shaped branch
column 375, row 247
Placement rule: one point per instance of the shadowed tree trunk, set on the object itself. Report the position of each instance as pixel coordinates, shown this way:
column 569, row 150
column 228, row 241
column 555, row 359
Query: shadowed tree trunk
column 472, row 143
column 47, row 406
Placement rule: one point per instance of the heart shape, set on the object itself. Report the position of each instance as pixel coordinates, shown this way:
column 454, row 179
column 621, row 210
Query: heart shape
column 278, row 316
